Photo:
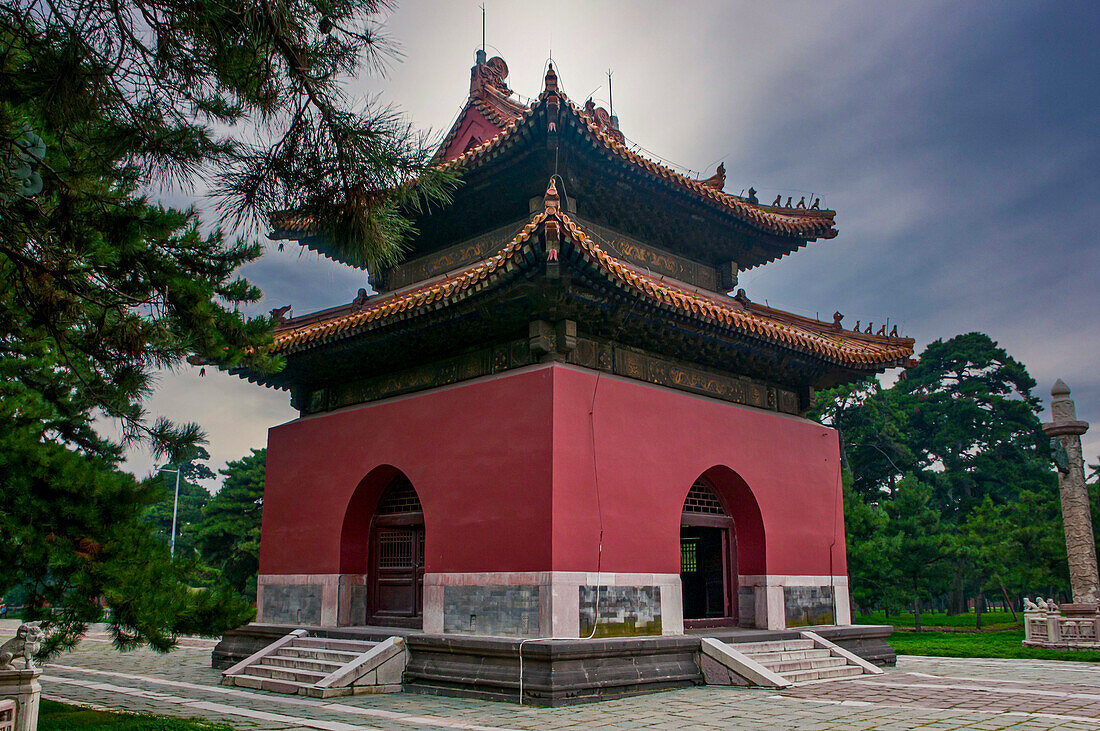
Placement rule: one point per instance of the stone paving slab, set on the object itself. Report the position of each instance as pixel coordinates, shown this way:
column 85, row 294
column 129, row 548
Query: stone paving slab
column 924, row 693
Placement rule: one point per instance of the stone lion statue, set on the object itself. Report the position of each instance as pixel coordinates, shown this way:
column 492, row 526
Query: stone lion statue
column 28, row 638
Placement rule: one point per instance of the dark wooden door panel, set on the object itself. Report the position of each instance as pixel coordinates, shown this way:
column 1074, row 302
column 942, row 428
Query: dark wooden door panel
column 397, row 573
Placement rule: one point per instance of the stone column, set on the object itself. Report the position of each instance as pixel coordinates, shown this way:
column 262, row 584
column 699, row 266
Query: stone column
column 1080, row 543
column 22, row 687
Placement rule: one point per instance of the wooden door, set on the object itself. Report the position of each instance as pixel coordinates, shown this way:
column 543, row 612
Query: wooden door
column 708, row 560
column 397, row 574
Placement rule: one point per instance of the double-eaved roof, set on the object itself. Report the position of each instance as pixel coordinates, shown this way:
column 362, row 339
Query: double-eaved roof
column 567, row 254
column 800, row 222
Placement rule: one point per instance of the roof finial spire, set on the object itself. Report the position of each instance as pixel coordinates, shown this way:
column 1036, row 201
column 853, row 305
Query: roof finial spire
column 481, row 51
column 610, row 97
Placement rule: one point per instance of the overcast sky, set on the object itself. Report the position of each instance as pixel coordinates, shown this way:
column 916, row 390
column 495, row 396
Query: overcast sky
column 958, row 143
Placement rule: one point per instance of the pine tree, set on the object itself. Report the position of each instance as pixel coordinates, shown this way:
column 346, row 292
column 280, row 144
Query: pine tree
column 101, row 103
column 228, row 537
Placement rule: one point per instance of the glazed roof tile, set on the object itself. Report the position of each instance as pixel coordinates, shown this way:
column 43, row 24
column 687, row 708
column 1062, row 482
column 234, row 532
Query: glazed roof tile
column 854, row 350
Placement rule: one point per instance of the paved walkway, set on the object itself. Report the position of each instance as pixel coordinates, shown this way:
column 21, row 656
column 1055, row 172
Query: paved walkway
column 933, row 693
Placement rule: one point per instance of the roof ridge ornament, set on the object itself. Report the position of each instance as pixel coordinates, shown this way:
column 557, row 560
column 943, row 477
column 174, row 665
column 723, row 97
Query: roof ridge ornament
column 550, row 83
column 604, row 121
column 552, row 201
column 489, row 73
column 718, row 180
column 552, row 212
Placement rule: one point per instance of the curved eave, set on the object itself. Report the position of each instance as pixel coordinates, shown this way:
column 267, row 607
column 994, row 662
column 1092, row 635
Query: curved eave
column 731, row 318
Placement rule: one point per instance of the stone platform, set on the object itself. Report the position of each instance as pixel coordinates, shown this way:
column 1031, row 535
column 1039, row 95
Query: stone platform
column 555, row 672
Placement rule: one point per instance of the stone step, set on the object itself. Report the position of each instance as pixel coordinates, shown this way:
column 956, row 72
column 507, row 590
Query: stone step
column 766, row 657
column 302, row 663
column 284, row 686
column 844, row 671
column 281, row 673
column 339, row 656
column 749, row 648
column 782, row 667
column 327, row 643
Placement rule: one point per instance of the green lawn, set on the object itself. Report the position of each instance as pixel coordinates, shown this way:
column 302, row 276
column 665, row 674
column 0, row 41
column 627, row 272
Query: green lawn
column 999, row 637
column 968, row 621
column 979, row 644
column 53, row 716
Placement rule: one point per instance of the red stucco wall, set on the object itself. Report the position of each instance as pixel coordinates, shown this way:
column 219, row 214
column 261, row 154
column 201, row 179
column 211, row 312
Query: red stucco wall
column 477, row 454
column 652, row 443
column 504, row 470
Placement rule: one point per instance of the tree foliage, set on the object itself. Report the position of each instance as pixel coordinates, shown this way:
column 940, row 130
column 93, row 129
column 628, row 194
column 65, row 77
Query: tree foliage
column 228, row 536
column 949, row 487
column 102, row 103
column 74, row 541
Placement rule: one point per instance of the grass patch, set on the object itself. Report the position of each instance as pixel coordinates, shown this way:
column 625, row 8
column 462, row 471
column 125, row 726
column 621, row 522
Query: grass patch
column 980, row 644
column 54, row 716
column 961, row 622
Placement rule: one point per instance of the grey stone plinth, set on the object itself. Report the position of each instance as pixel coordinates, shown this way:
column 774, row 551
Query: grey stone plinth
column 22, row 687
column 555, row 672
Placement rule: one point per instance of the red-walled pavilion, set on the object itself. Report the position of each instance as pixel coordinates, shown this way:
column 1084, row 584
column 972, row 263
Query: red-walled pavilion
column 553, row 396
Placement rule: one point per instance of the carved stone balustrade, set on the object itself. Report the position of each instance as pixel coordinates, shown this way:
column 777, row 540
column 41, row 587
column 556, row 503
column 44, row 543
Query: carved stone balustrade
column 1045, row 625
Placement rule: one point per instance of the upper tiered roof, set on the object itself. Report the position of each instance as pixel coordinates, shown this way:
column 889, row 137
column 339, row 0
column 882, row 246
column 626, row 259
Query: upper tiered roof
column 602, row 133
column 495, row 130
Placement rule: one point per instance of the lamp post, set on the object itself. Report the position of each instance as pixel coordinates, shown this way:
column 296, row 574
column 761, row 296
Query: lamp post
column 175, row 507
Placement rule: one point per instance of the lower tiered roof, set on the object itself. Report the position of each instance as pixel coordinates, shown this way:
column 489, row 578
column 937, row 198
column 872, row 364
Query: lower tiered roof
column 551, row 236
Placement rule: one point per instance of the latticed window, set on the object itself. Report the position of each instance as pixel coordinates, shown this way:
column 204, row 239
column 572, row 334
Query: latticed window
column 395, row 549
column 702, row 500
column 400, row 497
column 689, row 561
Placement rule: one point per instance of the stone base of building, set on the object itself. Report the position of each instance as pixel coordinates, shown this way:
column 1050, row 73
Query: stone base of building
column 556, row 603
column 555, row 672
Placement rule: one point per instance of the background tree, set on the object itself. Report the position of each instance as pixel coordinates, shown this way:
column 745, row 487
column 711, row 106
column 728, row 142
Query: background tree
column 973, row 423
column 228, row 536
column 870, row 576
column 193, row 497
column 915, row 544
column 74, row 541
column 1034, row 547
column 875, row 444
column 964, row 425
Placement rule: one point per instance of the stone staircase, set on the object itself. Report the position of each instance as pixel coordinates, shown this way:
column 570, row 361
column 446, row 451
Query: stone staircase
column 798, row 660
column 781, row 662
column 322, row 667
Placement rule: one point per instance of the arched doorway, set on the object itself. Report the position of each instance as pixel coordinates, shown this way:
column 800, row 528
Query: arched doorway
column 395, row 558
column 708, row 558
